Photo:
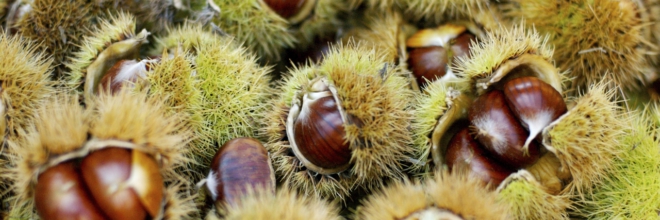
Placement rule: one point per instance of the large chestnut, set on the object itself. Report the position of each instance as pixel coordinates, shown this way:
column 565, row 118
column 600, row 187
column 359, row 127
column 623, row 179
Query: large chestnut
column 464, row 153
column 318, row 132
column 496, row 127
column 240, row 164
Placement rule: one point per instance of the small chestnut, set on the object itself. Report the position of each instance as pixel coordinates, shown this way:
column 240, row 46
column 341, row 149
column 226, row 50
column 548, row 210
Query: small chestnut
column 60, row 194
column 122, row 72
column 317, row 134
column 432, row 51
column 240, row 163
column 292, row 10
column 496, row 127
column 465, row 153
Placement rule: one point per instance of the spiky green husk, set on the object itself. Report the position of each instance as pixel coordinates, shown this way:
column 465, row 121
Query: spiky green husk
column 498, row 47
column 649, row 12
column 258, row 29
column 109, row 31
column 528, row 199
column 595, row 39
column 154, row 15
column 457, row 193
column 630, row 190
column 383, row 31
column 366, row 86
column 285, row 204
column 59, row 128
column 186, row 37
column 24, row 79
column 440, row 11
column 58, row 26
column 233, row 88
column 429, row 108
column 587, row 138
column 172, row 80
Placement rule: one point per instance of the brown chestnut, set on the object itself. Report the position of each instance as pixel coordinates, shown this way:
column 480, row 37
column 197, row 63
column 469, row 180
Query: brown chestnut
column 125, row 183
column 292, row 10
column 431, row 51
column 122, row 72
column 535, row 103
column 60, row 194
column 496, row 127
column 239, row 164
column 465, row 153
column 318, row 132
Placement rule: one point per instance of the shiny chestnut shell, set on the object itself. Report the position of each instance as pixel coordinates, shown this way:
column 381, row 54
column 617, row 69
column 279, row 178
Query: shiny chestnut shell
column 126, row 184
column 535, row 103
column 239, row 164
column 463, row 152
column 286, row 8
column 319, row 134
column 499, row 131
column 60, row 193
column 428, row 63
column 120, row 73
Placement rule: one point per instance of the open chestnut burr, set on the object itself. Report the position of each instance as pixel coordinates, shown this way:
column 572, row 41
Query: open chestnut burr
column 511, row 95
column 292, row 10
column 114, row 160
column 322, row 134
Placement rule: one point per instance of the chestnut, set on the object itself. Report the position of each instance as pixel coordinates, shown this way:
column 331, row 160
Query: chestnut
column 317, row 134
column 240, row 163
column 292, row 10
column 534, row 102
column 120, row 73
column 465, row 153
column 496, row 127
column 125, row 183
column 432, row 51
column 60, row 193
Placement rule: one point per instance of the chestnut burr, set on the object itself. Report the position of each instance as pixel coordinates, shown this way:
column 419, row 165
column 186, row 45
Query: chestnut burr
column 286, row 8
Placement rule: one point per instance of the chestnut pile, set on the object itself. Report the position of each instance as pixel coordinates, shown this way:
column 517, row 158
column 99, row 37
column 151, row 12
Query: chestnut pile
column 503, row 128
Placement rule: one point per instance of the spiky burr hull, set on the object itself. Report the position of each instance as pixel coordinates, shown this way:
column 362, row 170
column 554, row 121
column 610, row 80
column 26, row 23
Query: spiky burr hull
column 224, row 78
column 632, row 180
column 365, row 87
column 528, row 199
column 445, row 195
column 593, row 39
column 65, row 131
column 284, row 204
column 113, row 40
column 58, row 26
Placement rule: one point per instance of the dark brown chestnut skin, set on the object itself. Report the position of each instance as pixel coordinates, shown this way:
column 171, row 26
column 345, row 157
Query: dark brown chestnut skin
column 496, row 128
column 319, row 134
column 432, row 62
column 108, row 172
column 535, row 103
column 119, row 74
column 60, row 194
column 428, row 63
column 285, row 8
column 463, row 152
column 240, row 163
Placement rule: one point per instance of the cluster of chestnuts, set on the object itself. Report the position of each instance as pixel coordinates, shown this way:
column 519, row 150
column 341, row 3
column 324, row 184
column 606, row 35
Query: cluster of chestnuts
column 329, row 109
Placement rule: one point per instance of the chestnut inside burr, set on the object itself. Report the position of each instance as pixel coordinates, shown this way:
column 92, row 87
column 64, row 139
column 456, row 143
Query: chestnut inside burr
column 240, row 164
column 431, row 52
column 294, row 11
column 316, row 131
column 504, row 124
column 121, row 73
column 111, row 183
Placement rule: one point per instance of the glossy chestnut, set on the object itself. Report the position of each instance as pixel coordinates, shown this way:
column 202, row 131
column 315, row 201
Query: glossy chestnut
column 535, row 103
column 60, row 194
column 428, row 63
column 286, row 8
column 240, row 164
column 318, row 132
column 126, row 184
column 498, row 130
